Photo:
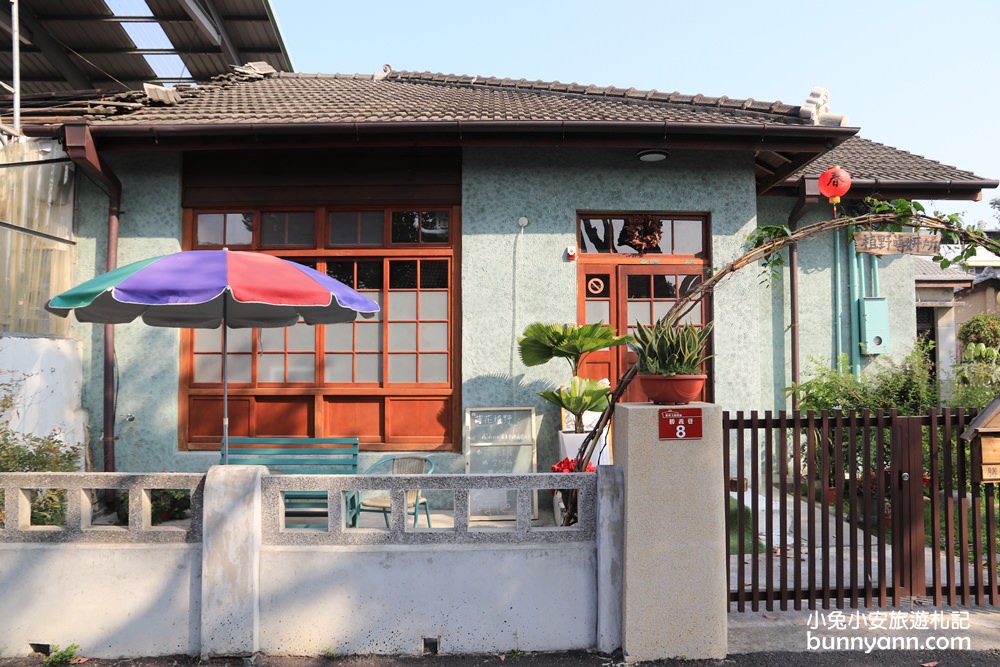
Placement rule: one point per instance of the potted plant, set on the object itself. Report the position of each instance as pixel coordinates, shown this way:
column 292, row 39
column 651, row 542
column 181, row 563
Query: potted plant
column 669, row 359
column 542, row 342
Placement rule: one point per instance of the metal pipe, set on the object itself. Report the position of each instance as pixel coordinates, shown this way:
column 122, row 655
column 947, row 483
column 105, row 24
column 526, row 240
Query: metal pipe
column 875, row 282
column 793, row 298
column 838, row 299
column 15, row 22
column 110, row 393
column 852, row 267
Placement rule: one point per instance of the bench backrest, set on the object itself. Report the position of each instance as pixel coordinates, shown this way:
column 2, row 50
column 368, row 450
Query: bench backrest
column 303, row 456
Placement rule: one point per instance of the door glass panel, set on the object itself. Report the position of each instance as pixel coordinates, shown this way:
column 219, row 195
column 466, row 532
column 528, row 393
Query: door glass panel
column 434, row 274
column 689, row 284
column 208, row 368
column 340, row 337
column 271, row 368
column 301, row 337
column 370, row 277
column 665, row 287
column 338, row 368
column 239, row 367
column 301, row 367
column 207, row 340
column 369, row 368
column 638, row 287
column 660, row 308
column 239, row 340
column 434, row 306
column 434, row 336
column 693, row 316
column 403, row 305
column 598, row 311
column 638, row 311
column 403, row 368
column 433, row 368
column 403, row 337
column 403, row 274
column 272, row 340
column 369, row 336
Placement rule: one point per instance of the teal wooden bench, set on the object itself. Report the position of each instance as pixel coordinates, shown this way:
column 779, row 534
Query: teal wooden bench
column 302, row 456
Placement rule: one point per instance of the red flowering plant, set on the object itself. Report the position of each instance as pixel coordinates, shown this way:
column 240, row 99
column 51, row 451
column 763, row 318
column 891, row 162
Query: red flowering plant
column 569, row 495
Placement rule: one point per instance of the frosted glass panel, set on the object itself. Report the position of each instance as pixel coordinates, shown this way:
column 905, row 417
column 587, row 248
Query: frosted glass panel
column 340, row 337
column 369, row 367
column 434, row 336
column 660, row 308
column 208, row 368
column 338, row 368
column 238, row 368
column 272, row 340
column 598, row 311
column 377, row 298
column 239, row 340
column 369, row 336
column 692, row 317
column 434, row 306
column 434, row 368
column 638, row 311
column 207, row 340
column 403, row 368
column 301, row 367
column 302, row 337
column 403, row 306
column 402, row 337
column 271, row 368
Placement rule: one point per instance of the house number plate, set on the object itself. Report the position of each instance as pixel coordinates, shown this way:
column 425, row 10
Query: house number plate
column 680, row 424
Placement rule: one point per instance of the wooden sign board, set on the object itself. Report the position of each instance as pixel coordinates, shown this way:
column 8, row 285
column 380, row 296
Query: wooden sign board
column 897, row 243
column 499, row 441
column 991, row 473
column 991, row 448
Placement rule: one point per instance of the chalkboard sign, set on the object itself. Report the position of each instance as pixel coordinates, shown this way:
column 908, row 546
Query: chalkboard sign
column 499, row 441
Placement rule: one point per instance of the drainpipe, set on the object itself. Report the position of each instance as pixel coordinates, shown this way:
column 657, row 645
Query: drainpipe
column 838, row 300
column 808, row 196
column 80, row 147
column 852, row 266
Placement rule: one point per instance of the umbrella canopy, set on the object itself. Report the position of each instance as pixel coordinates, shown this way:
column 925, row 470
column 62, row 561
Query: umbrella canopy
column 202, row 288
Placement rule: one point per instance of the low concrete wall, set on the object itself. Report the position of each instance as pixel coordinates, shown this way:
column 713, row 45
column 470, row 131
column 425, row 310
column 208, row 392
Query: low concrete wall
column 146, row 590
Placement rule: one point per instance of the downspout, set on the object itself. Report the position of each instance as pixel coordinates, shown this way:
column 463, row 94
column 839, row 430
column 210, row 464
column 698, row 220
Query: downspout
column 852, row 266
column 80, row 147
column 808, row 193
column 838, row 300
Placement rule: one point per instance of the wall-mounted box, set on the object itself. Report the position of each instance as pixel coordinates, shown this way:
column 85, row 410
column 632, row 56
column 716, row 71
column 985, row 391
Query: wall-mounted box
column 874, row 325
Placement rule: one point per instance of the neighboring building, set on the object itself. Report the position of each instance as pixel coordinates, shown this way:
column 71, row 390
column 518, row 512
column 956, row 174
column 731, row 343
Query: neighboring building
column 469, row 207
column 939, row 310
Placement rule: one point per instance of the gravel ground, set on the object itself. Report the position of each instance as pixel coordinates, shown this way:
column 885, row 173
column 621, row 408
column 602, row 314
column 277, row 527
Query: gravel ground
column 568, row 659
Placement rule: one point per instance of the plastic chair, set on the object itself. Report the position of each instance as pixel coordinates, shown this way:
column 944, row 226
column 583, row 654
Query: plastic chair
column 399, row 465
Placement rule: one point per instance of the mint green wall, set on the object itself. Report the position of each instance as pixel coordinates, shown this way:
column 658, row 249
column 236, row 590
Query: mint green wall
column 510, row 278
column 817, row 318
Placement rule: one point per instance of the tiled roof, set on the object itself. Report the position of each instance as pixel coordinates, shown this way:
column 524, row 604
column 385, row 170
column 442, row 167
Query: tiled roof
column 926, row 270
column 427, row 98
column 870, row 160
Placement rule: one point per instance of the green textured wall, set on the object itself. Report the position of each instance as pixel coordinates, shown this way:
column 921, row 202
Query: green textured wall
column 817, row 315
column 510, row 278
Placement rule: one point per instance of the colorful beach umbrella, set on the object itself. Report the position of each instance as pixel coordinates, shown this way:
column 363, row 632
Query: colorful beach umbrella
column 205, row 289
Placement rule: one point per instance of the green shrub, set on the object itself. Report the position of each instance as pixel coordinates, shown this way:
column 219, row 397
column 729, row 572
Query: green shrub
column 976, row 378
column 981, row 328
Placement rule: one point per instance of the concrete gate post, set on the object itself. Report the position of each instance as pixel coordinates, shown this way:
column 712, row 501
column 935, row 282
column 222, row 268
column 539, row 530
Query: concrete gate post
column 674, row 592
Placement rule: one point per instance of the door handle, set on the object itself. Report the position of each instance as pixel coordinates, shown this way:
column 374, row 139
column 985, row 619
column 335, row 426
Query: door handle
column 906, row 477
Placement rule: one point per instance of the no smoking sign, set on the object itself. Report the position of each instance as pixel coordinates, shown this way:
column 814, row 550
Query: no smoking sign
column 680, row 424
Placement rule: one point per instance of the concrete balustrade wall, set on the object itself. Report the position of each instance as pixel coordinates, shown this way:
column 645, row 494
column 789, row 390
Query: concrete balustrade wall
column 234, row 581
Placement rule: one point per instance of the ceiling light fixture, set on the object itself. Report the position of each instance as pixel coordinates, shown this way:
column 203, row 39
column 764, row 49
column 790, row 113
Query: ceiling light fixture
column 652, row 155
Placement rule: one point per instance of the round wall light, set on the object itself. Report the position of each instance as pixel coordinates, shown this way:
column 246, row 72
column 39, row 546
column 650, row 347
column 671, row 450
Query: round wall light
column 652, row 155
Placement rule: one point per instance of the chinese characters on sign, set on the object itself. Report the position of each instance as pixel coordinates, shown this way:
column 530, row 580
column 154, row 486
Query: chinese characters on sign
column 897, row 243
column 680, row 424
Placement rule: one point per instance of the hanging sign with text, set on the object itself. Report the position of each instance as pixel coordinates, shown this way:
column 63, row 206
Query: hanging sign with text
column 897, row 243
column 680, row 424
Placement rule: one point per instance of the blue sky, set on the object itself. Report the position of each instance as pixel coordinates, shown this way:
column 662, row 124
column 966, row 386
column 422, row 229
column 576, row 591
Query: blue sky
column 920, row 75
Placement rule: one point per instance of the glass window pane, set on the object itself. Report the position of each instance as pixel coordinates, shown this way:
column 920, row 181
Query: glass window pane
column 301, row 337
column 342, row 271
column 687, row 238
column 343, row 228
column 301, row 367
column 616, row 230
column 403, row 368
column 239, row 340
column 598, row 311
column 372, row 228
column 239, row 228
column 369, row 336
column 340, row 337
column 433, row 305
column 660, row 308
column 433, row 367
column 693, row 316
column 377, row 298
column 338, row 368
column 434, row 227
column 403, row 337
column 287, row 228
column 272, row 340
column 207, row 340
column 433, row 336
column 271, row 368
column 207, row 368
column 370, row 276
column 405, row 227
column 689, row 283
column 594, row 235
column 638, row 287
column 638, row 311
column 434, row 274
column 665, row 287
column 238, row 369
column 210, row 229
column 369, row 367
column 402, row 305
column 403, row 274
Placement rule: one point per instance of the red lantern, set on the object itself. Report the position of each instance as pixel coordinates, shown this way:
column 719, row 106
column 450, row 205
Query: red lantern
column 834, row 183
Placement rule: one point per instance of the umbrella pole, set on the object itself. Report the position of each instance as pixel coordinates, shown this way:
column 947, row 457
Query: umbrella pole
column 225, row 389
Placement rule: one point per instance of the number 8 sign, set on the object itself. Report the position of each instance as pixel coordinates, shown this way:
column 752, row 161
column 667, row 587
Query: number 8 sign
column 680, row 424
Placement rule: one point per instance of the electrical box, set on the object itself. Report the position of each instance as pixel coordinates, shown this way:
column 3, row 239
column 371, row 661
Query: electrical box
column 874, row 325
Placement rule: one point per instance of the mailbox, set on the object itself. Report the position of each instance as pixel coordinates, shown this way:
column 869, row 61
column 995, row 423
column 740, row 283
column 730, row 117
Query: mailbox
column 984, row 434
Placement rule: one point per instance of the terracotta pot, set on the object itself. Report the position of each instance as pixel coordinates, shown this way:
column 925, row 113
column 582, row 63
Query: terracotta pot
column 672, row 389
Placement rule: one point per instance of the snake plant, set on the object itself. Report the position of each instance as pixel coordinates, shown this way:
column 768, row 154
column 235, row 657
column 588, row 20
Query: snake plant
column 663, row 349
